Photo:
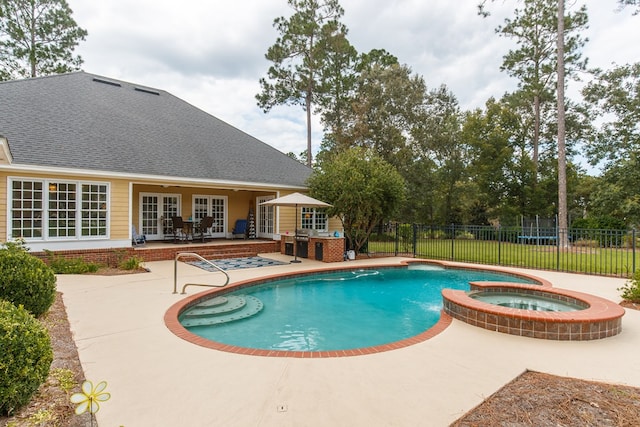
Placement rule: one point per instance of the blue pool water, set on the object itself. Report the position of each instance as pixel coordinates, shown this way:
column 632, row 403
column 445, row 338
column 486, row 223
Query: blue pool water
column 343, row 310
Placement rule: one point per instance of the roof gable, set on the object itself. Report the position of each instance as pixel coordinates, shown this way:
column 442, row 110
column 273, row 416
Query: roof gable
column 84, row 121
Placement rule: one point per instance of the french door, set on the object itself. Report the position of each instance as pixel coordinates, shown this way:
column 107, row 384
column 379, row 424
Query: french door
column 214, row 206
column 266, row 218
column 156, row 211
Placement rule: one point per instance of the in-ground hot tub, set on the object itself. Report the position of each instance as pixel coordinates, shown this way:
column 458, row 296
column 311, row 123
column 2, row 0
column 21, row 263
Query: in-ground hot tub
column 534, row 311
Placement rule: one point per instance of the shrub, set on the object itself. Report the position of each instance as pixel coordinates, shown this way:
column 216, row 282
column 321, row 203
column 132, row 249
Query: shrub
column 25, row 357
column 62, row 265
column 26, row 280
column 585, row 243
column 631, row 290
column 436, row 234
column 627, row 241
column 132, row 263
column 465, row 235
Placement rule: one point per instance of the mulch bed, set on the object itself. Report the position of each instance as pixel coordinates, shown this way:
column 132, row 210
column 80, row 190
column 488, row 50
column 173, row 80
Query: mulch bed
column 543, row 400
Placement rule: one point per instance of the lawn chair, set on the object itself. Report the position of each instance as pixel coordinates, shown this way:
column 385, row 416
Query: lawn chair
column 204, row 226
column 137, row 239
column 178, row 229
column 240, row 229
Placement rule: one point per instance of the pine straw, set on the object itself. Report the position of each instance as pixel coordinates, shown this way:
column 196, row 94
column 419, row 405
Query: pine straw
column 543, row 400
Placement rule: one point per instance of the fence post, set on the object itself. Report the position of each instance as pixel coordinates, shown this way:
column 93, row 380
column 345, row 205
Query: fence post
column 558, row 244
column 397, row 240
column 633, row 253
column 453, row 239
column 415, row 238
column 499, row 246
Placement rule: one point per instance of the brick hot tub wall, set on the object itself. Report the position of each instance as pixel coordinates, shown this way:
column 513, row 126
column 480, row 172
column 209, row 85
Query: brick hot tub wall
column 600, row 318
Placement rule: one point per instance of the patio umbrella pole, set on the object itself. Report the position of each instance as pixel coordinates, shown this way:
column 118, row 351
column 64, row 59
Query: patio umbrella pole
column 295, row 239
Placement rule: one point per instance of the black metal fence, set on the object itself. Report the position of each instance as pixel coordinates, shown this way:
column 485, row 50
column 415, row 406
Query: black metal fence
column 589, row 251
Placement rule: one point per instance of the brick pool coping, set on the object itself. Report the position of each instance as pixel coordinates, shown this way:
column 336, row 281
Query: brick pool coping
column 173, row 324
column 600, row 317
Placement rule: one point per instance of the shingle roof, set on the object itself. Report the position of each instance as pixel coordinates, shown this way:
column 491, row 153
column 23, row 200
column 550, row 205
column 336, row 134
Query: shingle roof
column 84, row 121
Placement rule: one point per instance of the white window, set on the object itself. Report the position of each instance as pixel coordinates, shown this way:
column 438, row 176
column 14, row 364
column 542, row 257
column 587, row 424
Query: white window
column 315, row 219
column 58, row 210
column 94, row 210
column 26, row 209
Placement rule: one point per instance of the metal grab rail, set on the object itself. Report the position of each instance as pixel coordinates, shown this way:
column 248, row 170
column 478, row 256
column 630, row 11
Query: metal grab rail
column 192, row 254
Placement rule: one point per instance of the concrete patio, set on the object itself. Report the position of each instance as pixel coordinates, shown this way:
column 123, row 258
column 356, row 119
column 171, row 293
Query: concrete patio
column 158, row 379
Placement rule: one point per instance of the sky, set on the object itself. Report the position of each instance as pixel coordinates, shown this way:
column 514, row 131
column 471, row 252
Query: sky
column 210, row 53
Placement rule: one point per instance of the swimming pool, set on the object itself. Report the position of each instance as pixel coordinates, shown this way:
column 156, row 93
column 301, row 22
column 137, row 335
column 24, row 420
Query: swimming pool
column 334, row 311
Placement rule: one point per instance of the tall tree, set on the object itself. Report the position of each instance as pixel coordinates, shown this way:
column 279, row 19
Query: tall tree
column 341, row 109
column 613, row 98
column 437, row 139
column 38, row 37
column 561, row 45
column 563, row 211
column 386, row 107
column 299, row 55
column 339, row 77
column 533, row 62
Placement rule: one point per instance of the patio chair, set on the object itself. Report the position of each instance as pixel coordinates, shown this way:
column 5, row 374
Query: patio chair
column 240, row 229
column 204, row 226
column 137, row 239
column 178, row 229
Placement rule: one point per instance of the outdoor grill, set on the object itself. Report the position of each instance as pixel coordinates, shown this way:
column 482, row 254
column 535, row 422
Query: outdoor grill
column 302, row 242
column 302, row 234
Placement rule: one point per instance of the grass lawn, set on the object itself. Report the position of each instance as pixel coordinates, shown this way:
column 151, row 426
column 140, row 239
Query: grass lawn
column 578, row 259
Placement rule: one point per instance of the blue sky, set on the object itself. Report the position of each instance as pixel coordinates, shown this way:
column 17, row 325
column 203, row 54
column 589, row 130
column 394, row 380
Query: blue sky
column 211, row 53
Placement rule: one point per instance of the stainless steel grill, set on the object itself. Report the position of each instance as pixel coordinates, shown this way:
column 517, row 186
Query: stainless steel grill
column 302, row 234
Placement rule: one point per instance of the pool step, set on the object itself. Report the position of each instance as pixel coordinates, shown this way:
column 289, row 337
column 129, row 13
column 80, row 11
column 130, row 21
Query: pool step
column 223, row 305
column 210, row 312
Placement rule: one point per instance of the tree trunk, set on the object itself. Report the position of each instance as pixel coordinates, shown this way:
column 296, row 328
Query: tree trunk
column 32, row 48
column 308, row 107
column 536, row 134
column 562, row 159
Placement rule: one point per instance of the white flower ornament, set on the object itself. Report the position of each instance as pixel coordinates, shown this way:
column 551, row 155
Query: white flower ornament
column 90, row 396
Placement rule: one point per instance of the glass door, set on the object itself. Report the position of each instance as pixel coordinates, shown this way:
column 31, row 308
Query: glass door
column 265, row 219
column 214, row 206
column 156, row 211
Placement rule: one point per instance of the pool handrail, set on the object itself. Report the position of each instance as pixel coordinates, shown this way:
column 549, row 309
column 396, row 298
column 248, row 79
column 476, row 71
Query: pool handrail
column 195, row 255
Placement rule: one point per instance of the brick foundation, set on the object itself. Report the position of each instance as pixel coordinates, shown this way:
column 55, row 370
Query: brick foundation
column 113, row 256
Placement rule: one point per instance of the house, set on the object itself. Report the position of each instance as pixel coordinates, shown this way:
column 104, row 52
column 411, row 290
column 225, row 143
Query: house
column 83, row 158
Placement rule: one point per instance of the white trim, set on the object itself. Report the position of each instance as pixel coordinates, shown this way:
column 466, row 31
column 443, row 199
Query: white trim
column 259, row 200
column 5, row 155
column 130, row 212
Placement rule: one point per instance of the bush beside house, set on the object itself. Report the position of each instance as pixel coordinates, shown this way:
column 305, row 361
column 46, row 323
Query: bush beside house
column 25, row 358
column 27, row 291
column 26, row 280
